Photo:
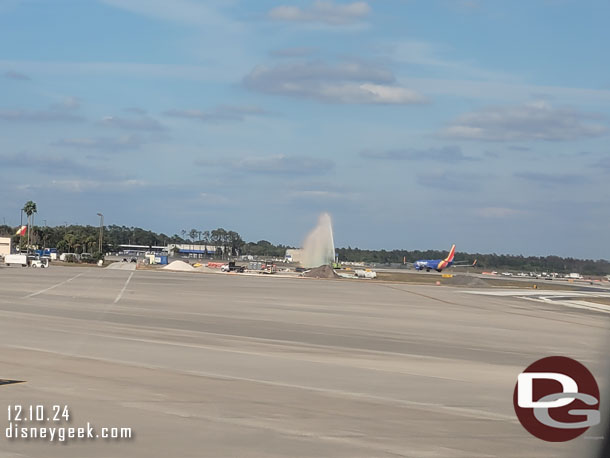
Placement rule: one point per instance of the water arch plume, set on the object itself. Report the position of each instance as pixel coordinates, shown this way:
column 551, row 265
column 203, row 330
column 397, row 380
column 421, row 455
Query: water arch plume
column 319, row 245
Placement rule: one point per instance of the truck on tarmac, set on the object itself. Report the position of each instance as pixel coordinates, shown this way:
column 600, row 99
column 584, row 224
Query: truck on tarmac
column 16, row 260
column 25, row 260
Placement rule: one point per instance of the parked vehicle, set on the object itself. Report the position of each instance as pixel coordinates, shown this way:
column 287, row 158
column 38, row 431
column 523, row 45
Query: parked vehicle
column 68, row 256
column 39, row 263
column 231, row 267
column 16, row 260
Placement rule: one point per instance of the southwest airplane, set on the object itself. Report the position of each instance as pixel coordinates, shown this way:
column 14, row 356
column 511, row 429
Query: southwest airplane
column 438, row 264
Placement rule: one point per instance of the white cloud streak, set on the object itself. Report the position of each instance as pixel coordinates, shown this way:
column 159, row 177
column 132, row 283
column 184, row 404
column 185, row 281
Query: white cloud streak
column 40, row 116
column 143, row 123
column 531, row 121
column 325, row 12
column 125, row 142
column 345, row 82
column 218, row 114
column 497, row 212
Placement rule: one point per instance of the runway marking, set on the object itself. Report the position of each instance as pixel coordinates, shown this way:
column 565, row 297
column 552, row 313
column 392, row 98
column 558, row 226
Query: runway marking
column 531, row 292
column 577, row 304
column 52, row 287
column 118, row 298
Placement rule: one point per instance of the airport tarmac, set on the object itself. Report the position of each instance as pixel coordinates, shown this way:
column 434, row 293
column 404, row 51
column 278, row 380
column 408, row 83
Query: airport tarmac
column 241, row 366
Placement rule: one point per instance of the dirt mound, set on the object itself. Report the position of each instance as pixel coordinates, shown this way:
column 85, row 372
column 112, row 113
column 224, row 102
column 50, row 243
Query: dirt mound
column 179, row 266
column 466, row 280
column 321, row 272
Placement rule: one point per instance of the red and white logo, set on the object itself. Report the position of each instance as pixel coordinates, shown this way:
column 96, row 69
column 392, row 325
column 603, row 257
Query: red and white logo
column 556, row 399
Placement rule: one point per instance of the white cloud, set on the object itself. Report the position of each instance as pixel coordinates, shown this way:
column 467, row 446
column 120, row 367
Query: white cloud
column 284, row 165
column 430, row 56
column 196, row 13
column 219, row 113
column 496, row 89
column 28, row 116
column 293, row 52
column 451, row 181
column 368, row 93
column 124, row 142
column 91, row 185
column 344, row 82
column 135, row 110
column 497, row 212
column 49, row 164
column 325, row 12
column 142, row 123
column 322, row 197
column 279, row 164
column 531, row 121
column 120, row 69
column 446, row 154
column 548, row 180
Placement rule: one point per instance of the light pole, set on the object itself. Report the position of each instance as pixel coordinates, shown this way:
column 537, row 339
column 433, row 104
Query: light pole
column 101, row 232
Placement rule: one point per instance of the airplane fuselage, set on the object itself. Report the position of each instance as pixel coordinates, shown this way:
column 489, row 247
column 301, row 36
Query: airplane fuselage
column 432, row 264
column 435, row 264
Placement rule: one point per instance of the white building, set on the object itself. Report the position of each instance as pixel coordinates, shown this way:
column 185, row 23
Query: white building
column 5, row 246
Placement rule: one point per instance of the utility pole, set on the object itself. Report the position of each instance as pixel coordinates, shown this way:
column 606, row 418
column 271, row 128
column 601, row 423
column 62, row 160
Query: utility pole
column 101, row 232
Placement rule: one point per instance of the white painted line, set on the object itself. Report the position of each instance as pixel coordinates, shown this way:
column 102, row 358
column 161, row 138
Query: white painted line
column 573, row 303
column 118, row 298
column 54, row 286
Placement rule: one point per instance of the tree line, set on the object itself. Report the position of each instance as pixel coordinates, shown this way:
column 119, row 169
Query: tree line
column 79, row 239
column 485, row 261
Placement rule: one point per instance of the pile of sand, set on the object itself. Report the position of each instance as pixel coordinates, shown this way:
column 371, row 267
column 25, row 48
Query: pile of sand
column 321, row 272
column 179, row 266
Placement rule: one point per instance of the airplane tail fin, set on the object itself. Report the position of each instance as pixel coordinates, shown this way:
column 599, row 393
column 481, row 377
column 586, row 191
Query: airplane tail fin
column 449, row 258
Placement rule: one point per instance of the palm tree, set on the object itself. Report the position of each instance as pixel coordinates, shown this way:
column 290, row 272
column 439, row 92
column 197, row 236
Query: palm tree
column 70, row 240
column 206, row 240
column 29, row 209
column 90, row 244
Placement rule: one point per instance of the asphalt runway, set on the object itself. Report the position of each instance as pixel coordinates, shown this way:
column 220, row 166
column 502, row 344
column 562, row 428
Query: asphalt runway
column 239, row 366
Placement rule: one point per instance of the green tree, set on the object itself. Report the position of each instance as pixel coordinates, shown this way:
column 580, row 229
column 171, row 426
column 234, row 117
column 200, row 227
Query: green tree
column 29, row 209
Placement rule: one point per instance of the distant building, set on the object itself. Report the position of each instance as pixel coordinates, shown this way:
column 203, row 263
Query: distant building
column 194, row 250
column 5, row 246
column 135, row 249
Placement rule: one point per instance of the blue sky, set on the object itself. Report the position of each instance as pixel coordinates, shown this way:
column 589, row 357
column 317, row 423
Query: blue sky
column 416, row 124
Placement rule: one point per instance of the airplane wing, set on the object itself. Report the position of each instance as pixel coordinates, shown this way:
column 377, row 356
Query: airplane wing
column 464, row 263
